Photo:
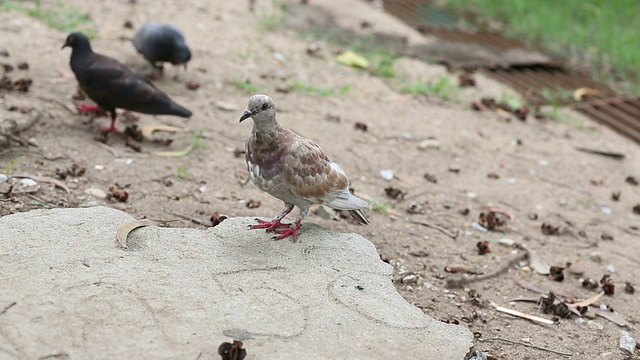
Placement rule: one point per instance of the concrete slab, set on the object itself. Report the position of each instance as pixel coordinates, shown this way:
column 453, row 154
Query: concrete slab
column 179, row 293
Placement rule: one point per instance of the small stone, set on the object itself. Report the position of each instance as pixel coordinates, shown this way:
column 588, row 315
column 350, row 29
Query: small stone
column 594, row 325
column 478, row 227
column 99, row 167
column 28, row 182
column 611, row 268
column 225, row 106
column 387, row 174
column 595, row 257
column 410, row 279
column 202, row 189
column 627, row 343
column 96, row 193
column 429, row 144
column 511, row 181
column 454, row 169
column 3, row 178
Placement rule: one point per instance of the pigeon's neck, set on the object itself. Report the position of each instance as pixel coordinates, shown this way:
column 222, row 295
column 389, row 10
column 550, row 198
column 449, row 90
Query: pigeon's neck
column 80, row 55
column 266, row 127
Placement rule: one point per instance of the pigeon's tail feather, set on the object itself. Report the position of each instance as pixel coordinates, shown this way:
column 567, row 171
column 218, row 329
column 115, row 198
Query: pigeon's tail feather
column 359, row 216
column 347, row 201
column 351, row 203
column 179, row 110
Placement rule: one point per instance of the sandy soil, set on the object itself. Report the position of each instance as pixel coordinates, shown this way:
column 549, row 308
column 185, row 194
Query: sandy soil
column 536, row 173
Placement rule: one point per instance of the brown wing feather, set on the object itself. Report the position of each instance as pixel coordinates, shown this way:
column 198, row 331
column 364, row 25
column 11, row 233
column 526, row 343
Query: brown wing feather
column 309, row 171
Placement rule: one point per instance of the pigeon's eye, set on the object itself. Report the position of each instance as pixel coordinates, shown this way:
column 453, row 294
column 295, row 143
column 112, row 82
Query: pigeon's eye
column 265, row 106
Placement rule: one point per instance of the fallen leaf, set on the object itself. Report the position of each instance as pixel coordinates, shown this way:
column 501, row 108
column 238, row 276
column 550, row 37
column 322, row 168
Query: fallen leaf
column 537, row 263
column 148, row 130
column 124, row 230
column 176, row 153
column 588, row 301
column 352, row 59
column 579, row 93
column 614, row 317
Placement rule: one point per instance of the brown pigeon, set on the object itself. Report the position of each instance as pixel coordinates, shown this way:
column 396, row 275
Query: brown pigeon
column 293, row 169
column 113, row 85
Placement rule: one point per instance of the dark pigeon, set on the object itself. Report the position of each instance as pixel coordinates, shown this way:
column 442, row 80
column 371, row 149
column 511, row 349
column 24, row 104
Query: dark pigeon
column 293, row 169
column 111, row 84
column 160, row 43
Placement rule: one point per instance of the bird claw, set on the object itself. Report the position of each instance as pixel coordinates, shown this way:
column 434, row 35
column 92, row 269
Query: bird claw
column 270, row 226
column 285, row 233
column 88, row 108
column 108, row 129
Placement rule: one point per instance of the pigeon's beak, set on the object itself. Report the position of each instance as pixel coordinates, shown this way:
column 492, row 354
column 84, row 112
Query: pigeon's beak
column 64, row 46
column 247, row 114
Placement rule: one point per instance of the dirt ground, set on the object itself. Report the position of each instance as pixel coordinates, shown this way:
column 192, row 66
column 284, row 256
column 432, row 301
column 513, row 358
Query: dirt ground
column 475, row 160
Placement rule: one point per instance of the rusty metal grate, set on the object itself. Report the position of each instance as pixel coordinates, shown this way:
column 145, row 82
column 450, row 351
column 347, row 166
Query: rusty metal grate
column 470, row 36
column 547, row 84
column 620, row 114
column 431, row 20
column 538, row 83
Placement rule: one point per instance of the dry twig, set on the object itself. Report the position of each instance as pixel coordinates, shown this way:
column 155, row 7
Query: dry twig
column 447, row 232
column 497, row 338
column 455, row 282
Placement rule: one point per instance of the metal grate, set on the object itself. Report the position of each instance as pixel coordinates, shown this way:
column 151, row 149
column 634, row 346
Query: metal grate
column 539, row 83
column 621, row 114
column 547, row 84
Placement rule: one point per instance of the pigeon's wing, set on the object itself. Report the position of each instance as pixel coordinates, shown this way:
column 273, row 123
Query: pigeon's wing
column 113, row 85
column 310, row 174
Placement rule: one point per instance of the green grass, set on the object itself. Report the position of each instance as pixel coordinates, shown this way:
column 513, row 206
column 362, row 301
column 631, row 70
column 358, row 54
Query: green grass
column 271, row 21
column 443, row 87
column 59, row 16
column 12, row 165
column 380, row 205
column 246, row 86
column 305, row 88
column 600, row 34
column 381, row 63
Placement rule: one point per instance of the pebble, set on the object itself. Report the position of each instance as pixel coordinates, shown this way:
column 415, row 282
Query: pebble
column 595, row 256
column 3, row 178
column 627, row 343
column 225, row 106
column 594, row 325
column 410, row 279
column 478, row 227
column 387, row 174
column 28, row 182
column 96, row 193
column 606, row 210
column 429, row 144
column 611, row 268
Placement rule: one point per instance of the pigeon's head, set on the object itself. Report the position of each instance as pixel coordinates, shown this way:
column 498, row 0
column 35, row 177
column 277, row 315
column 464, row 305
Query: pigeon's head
column 260, row 109
column 182, row 55
column 77, row 40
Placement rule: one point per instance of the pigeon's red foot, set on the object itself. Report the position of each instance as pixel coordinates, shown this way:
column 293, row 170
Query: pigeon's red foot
column 109, row 129
column 269, row 225
column 88, row 108
column 285, row 233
